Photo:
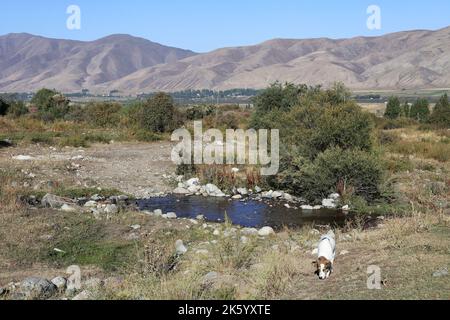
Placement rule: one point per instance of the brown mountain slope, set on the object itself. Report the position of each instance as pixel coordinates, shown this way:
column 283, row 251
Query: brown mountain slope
column 414, row 59
column 30, row 62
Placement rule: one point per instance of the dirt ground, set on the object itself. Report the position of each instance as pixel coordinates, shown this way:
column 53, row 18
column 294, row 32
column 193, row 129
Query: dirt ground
column 138, row 169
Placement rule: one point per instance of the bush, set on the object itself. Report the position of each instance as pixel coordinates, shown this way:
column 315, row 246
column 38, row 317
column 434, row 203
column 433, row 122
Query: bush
column 349, row 172
column 441, row 113
column 51, row 105
column 103, row 114
column 158, row 113
column 393, row 109
column 420, row 110
column 17, row 109
column 4, row 106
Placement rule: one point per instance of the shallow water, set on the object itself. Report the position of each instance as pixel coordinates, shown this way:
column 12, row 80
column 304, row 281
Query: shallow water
column 249, row 213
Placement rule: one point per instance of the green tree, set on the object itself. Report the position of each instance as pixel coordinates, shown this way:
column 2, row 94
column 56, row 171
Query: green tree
column 50, row 104
column 441, row 112
column 405, row 110
column 4, row 106
column 17, row 109
column 157, row 114
column 393, row 109
column 420, row 110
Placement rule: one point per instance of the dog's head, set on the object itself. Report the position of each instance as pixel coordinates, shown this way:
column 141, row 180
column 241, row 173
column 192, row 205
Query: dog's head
column 323, row 268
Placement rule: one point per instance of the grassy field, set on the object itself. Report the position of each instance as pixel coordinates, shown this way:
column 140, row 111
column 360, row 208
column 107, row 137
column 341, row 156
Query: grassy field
column 408, row 248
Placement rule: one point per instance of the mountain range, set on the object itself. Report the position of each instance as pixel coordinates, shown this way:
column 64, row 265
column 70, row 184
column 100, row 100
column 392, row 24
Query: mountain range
column 418, row 59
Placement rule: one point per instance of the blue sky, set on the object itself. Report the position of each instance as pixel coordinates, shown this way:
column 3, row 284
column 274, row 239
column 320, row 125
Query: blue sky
column 204, row 25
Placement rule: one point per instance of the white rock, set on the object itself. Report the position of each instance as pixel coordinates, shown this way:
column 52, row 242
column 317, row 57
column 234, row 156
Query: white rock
column 242, row 191
column 266, row 231
column 171, row 215
column 334, row 196
column 157, row 212
column 288, row 197
column 317, row 207
column 60, row 283
column 200, row 217
column 181, row 191
column 216, row 232
column 346, row 208
column 67, row 208
column 193, row 189
column 236, row 197
column 180, row 247
column 244, row 239
column 214, row 191
column 235, row 170
column 250, row 232
column 315, row 251
column 329, row 203
column 23, row 158
column 307, row 208
column 277, row 194
column 194, row 182
column 91, row 204
column 258, row 189
column 135, row 227
column 111, row 209
column 344, row 252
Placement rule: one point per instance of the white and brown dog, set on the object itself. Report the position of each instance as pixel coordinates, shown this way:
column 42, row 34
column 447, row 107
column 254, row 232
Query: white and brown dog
column 326, row 253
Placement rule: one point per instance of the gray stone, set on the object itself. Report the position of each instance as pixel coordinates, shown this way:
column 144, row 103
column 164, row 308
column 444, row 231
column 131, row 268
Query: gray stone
column 37, row 288
column 181, row 191
column 111, row 209
column 249, row 231
column 180, row 247
column 68, row 208
column 258, row 189
column 214, row 191
column 55, row 202
column 277, row 194
column 158, row 212
column 441, row 273
column 60, row 283
column 210, row 277
column 91, row 204
column 242, row 191
column 329, row 203
column 170, row 215
column 266, row 231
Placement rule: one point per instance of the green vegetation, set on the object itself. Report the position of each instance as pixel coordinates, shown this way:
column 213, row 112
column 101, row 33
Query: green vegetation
column 327, row 141
column 441, row 113
column 393, row 108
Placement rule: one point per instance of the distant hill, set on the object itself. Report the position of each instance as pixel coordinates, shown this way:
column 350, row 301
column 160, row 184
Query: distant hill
column 404, row 60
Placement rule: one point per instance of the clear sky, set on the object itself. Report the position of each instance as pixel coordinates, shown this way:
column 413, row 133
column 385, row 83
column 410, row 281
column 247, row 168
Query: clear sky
column 204, row 25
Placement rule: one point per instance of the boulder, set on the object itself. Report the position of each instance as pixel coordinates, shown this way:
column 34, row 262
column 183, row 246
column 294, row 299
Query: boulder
column 249, row 231
column 60, row 283
column 180, row 247
column 170, row 215
column 242, row 191
column 111, row 209
column 68, row 208
column 329, row 203
column 37, row 288
column 213, row 191
column 55, row 202
column 266, row 231
column 181, row 191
